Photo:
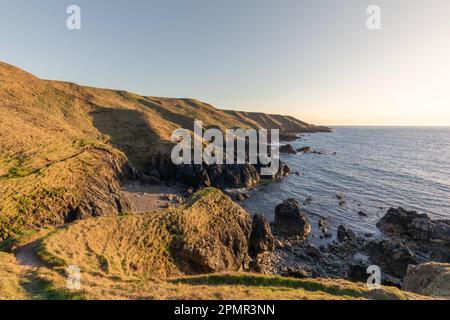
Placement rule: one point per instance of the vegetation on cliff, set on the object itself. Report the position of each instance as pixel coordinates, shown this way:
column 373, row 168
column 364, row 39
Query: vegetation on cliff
column 198, row 251
column 65, row 148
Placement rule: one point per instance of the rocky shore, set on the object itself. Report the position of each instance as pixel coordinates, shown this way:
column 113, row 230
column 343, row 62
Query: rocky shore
column 409, row 240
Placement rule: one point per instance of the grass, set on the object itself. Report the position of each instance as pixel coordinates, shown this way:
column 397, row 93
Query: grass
column 56, row 134
column 132, row 257
column 63, row 146
column 10, row 288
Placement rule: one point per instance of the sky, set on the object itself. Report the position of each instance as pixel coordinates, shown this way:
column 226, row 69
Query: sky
column 313, row 59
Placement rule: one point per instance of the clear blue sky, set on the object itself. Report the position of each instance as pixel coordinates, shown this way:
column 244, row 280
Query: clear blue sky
column 313, row 59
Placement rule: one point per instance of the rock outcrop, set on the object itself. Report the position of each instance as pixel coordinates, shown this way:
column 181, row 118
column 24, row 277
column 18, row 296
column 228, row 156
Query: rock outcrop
column 287, row 149
column 304, row 150
column 392, row 257
column 411, row 225
column 261, row 238
column 431, row 279
column 290, row 221
column 428, row 239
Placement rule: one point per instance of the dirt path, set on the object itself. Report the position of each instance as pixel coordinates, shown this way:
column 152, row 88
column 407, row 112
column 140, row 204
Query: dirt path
column 26, row 256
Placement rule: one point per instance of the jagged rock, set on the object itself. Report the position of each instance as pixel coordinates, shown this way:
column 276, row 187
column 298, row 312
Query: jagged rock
column 298, row 273
column 261, row 238
column 431, row 279
column 392, row 257
column 290, row 221
column 193, row 175
column 287, row 149
column 284, row 170
column 313, row 251
column 341, row 233
column 362, row 214
column 410, row 224
column 344, row 233
column 307, row 201
column 357, row 272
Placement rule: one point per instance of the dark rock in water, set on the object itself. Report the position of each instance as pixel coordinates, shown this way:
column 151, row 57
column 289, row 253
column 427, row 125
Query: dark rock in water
column 307, row 201
column 324, row 227
column 344, row 233
column 392, row 257
column 261, row 238
column 429, row 240
column 323, row 223
column 362, row 214
column 284, row 170
column 341, row 233
column 290, row 221
column 431, row 279
column 410, row 224
column 287, row 149
column 340, row 196
column 328, row 234
column 304, row 150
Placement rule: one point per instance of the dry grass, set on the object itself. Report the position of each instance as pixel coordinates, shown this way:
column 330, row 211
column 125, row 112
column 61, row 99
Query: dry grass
column 141, row 245
column 130, row 257
column 65, row 146
column 10, row 288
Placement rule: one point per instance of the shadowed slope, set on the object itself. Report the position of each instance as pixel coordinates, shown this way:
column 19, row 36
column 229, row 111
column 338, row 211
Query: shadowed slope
column 65, row 148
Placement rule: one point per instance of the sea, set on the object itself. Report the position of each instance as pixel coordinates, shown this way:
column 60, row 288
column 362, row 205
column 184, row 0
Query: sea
column 373, row 168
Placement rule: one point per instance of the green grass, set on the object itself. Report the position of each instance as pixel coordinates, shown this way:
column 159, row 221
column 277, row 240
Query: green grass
column 38, row 288
column 271, row 282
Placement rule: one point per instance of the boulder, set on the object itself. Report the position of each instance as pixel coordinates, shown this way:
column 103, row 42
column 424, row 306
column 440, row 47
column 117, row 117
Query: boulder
column 261, row 238
column 411, row 225
column 393, row 257
column 290, row 221
column 431, row 279
column 304, row 150
column 341, row 233
column 287, row 149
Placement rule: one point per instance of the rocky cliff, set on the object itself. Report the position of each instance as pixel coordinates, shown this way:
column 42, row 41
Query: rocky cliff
column 65, row 148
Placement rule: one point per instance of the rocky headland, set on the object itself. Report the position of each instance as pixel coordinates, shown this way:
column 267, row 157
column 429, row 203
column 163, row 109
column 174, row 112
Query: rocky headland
column 76, row 164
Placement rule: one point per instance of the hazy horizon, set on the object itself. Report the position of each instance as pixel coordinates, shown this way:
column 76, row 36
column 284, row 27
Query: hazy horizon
column 316, row 61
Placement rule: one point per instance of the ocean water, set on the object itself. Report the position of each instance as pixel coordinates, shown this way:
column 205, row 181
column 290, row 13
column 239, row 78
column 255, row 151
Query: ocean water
column 374, row 167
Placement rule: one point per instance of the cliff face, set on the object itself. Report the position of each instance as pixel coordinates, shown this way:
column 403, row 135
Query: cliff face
column 64, row 148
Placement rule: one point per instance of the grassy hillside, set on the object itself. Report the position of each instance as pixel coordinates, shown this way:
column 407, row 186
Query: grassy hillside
column 64, row 148
column 137, row 256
